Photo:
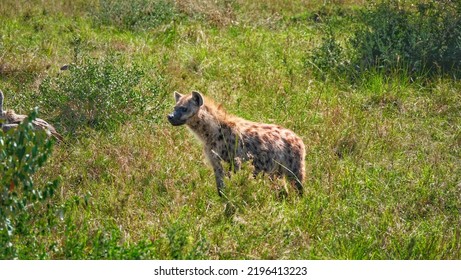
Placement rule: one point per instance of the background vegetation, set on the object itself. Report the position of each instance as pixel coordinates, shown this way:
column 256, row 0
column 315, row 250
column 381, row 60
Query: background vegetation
column 372, row 87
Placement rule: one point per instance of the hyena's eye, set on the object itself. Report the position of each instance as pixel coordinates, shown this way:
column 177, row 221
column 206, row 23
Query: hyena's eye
column 182, row 109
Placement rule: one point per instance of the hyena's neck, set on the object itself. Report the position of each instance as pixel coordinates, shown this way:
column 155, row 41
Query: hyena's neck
column 204, row 124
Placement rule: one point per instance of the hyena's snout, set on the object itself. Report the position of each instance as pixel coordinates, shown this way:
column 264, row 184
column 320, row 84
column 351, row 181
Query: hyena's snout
column 175, row 119
column 170, row 117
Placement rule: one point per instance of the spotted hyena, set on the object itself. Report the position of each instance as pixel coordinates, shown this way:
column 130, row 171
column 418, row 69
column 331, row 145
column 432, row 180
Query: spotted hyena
column 271, row 148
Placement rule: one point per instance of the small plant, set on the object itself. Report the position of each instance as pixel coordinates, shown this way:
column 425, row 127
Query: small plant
column 22, row 152
column 101, row 94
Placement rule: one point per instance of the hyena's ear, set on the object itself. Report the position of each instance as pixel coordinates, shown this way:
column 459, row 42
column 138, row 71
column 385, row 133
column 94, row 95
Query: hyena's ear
column 197, row 97
column 177, row 96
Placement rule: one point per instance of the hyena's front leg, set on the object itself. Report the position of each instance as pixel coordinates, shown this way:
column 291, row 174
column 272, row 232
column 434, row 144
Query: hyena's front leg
column 219, row 174
column 218, row 171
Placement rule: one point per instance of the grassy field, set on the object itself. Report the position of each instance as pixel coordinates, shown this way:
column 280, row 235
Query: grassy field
column 383, row 150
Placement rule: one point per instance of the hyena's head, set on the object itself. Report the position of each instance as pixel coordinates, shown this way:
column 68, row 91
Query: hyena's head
column 186, row 107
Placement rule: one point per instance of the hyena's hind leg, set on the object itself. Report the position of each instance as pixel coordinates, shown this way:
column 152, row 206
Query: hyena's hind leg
column 297, row 167
column 299, row 180
column 296, row 180
column 299, row 187
column 295, row 174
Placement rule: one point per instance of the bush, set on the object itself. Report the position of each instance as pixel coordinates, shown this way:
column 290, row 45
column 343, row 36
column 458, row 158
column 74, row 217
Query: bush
column 328, row 59
column 101, row 94
column 422, row 37
column 22, row 152
column 134, row 14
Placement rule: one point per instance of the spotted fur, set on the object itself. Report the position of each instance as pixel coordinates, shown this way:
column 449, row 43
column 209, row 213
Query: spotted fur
column 271, row 148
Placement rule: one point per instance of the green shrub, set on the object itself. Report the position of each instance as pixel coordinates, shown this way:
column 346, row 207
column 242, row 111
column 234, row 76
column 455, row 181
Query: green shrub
column 101, row 94
column 135, row 14
column 22, row 152
column 328, row 59
column 422, row 37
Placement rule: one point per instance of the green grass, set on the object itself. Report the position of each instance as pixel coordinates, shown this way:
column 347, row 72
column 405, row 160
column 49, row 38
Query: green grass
column 382, row 153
